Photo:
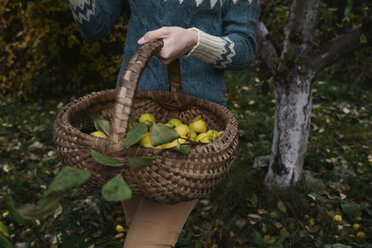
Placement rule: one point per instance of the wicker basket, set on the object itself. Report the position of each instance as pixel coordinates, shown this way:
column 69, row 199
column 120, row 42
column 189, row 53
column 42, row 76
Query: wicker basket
column 172, row 178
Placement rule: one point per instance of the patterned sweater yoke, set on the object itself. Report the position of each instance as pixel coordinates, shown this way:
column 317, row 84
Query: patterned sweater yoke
column 226, row 37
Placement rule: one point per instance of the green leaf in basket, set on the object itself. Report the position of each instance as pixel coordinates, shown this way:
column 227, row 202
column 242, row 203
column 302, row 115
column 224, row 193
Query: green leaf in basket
column 161, row 134
column 102, row 125
column 4, row 242
column 44, row 207
column 104, row 159
column 67, row 179
column 138, row 163
column 116, row 189
column 135, row 134
column 185, row 149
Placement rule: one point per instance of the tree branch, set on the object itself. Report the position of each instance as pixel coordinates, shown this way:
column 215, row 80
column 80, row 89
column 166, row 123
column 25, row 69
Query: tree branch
column 338, row 47
column 268, row 47
column 301, row 23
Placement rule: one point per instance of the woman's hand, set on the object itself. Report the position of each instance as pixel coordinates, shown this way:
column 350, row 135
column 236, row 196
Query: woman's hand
column 177, row 42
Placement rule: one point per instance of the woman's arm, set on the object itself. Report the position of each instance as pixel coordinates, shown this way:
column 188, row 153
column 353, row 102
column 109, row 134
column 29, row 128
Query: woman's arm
column 236, row 48
column 96, row 17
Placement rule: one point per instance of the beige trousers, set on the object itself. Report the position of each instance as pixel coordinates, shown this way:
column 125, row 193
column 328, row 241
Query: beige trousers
column 153, row 224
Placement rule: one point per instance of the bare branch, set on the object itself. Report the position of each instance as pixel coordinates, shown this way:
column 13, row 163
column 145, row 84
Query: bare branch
column 268, row 47
column 301, row 23
column 338, row 47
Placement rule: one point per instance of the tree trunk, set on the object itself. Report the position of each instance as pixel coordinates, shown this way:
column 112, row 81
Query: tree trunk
column 291, row 130
column 294, row 66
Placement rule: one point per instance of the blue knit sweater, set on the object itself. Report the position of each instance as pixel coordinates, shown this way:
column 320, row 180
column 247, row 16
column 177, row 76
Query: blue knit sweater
column 226, row 31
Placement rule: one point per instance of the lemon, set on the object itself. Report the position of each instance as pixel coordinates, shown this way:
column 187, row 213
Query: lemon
column 219, row 134
column 361, row 235
column 170, row 145
column 175, row 122
column 356, row 227
column 99, row 134
column 169, row 125
column 212, row 133
column 174, row 143
column 119, row 228
column 182, row 130
column 337, row 218
column 200, row 136
column 147, row 118
column 192, row 135
column 198, row 125
column 206, row 139
column 145, row 140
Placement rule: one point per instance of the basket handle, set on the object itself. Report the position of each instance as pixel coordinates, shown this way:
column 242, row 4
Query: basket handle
column 127, row 90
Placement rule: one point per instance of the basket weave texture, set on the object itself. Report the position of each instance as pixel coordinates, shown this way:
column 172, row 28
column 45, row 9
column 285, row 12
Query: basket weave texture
column 171, row 178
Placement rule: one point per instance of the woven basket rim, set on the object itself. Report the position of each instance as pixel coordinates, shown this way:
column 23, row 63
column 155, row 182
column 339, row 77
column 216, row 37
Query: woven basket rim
column 66, row 110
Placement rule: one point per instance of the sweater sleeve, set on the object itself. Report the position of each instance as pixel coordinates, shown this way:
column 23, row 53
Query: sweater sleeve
column 235, row 49
column 96, row 17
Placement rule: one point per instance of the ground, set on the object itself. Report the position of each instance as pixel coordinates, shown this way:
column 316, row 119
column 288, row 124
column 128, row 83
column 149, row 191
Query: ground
column 240, row 213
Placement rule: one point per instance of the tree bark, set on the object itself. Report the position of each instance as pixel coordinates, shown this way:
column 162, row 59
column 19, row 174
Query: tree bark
column 291, row 130
column 268, row 47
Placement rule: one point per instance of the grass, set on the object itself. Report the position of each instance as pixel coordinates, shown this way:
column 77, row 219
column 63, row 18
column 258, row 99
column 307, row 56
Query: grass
column 240, row 213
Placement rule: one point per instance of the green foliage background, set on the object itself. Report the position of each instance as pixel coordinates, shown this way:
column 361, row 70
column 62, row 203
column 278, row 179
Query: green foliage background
column 43, row 54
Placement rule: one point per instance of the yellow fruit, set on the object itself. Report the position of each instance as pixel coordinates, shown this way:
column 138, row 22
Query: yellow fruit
column 200, row 136
column 337, row 218
column 174, row 143
column 206, row 139
column 212, row 133
column 198, row 125
column 356, row 227
column 219, row 134
column 5, row 214
column 145, row 140
column 99, row 134
column 169, row 125
column 182, row 130
column 147, row 118
column 119, row 228
column 192, row 135
column 169, row 145
column 175, row 122
column 361, row 235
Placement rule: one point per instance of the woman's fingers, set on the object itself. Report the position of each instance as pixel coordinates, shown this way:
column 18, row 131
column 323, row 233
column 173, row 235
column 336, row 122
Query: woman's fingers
column 177, row 42
column 155, row 34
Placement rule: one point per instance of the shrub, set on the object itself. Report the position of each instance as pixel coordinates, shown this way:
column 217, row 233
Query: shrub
column 43, row 54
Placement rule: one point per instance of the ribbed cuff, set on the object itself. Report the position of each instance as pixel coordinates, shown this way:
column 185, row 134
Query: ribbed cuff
column 209, row 48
